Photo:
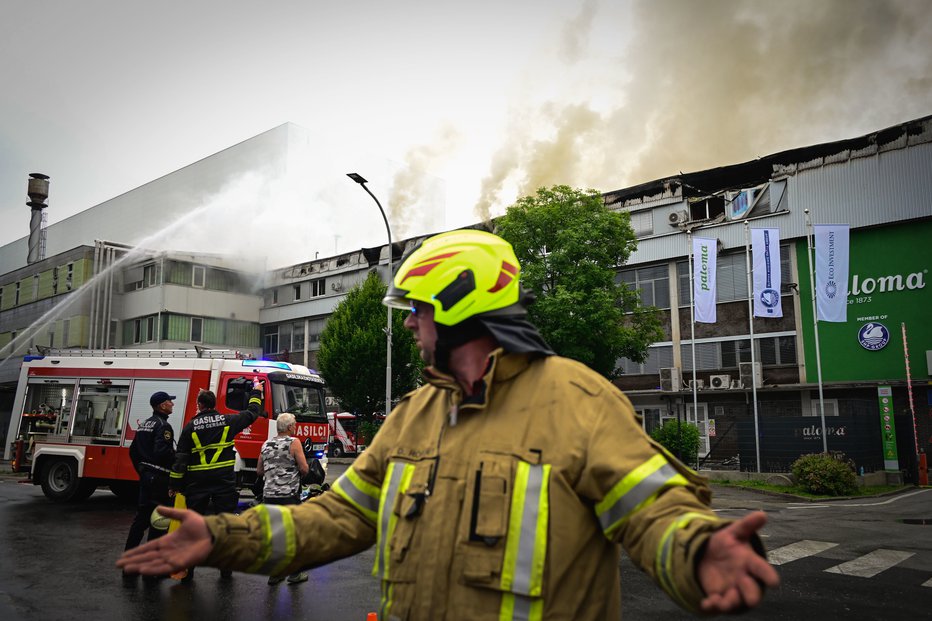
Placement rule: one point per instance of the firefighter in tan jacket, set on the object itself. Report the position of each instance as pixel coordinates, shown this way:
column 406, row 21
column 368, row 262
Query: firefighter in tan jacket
column 504, row 488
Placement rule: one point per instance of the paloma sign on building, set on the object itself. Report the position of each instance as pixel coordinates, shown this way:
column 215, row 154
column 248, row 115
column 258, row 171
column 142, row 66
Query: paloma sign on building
column 889, row 270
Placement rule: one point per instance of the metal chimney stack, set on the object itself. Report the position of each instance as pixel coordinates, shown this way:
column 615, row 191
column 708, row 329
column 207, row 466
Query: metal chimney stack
column 38, row 192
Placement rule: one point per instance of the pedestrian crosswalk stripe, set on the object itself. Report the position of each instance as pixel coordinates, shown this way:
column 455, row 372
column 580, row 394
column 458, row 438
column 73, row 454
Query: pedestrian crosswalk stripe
column 798, row 550
column 871, row 564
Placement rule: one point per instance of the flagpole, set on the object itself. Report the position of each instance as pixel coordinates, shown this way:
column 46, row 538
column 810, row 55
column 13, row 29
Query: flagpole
column 692, row 324
column 815, row 326
column 747, row 256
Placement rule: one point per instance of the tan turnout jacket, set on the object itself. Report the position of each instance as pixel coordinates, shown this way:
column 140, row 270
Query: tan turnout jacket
column 514, row 506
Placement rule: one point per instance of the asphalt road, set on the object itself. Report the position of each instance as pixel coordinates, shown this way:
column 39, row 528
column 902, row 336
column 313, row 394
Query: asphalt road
column 839, row 560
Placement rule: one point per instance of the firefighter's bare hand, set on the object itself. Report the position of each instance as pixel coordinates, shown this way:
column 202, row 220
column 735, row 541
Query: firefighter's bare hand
column 186, row 547
column 730, row 572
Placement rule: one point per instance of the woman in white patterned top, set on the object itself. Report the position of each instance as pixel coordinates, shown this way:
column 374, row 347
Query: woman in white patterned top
column 282, row 464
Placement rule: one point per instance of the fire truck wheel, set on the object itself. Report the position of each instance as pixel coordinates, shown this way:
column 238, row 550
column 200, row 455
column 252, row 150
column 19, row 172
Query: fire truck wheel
column 60, row 481
column 336, row 450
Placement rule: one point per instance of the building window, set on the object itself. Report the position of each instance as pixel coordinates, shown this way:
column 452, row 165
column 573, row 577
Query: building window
column 831, row 407
column 54, row 280
column 270, row 340
column 1, row 297
column 149, row 275
column 197, row 329
column 16, row 296
column 297, row 336
column 708, row 356
column 734, row 352
column 150, row 329
column 274, row 296
column 69, row 277
column 297, row 292
column 643, row 223
column 318, row 287
column 137, row 330
column 778, row 350
column 653, row 282
column 35, row 287
column 65, row 329
column 199, row 276
column 707, row 208
column 658, row 357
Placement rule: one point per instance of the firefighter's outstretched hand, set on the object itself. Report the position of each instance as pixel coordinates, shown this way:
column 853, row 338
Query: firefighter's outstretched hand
column 732, row 574
column 186, row 547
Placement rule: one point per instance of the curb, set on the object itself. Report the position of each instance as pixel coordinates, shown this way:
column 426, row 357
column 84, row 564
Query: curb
column 767, row 492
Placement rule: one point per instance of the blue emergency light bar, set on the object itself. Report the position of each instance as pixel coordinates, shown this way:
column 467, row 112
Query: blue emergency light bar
column 268, row 364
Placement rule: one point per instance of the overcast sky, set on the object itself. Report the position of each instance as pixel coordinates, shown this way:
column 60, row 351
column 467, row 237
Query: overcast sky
column 494, row 98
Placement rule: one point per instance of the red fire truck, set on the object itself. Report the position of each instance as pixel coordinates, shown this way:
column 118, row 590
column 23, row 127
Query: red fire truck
column 76, row 411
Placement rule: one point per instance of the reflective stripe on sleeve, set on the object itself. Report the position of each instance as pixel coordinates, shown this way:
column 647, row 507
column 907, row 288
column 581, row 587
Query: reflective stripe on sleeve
column 636, row 490
column 212, row 465
column 526, row 544
column 521, row 608
column 362, row 495
column 396, row 482
column 662, row 563
column 279, row 546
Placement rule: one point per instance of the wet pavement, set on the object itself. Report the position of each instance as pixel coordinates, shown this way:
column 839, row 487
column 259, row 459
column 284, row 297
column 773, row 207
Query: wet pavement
column 57, row 562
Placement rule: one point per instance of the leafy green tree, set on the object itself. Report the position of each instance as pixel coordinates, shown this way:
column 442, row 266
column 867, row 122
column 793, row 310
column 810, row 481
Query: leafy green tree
column 570, row 246
column 352, row 351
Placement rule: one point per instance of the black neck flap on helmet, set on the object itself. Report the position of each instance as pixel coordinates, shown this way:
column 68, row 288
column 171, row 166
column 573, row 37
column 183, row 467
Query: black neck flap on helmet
column 508, row 326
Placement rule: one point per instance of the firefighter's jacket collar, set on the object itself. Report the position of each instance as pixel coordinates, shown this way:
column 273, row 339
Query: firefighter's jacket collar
column 501, row 367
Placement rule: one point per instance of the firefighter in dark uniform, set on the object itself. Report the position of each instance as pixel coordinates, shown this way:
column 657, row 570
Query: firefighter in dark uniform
column 152, row 453
column 203, row 468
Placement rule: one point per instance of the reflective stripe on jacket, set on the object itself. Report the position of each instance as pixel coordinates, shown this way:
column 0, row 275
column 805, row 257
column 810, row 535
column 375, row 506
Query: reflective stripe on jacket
column 511, row 505
column 205, row 456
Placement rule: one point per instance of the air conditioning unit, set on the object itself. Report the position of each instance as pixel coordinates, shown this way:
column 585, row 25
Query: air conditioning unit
column 671, row 379
column 336, row 286
column 750, row 372
column 677, row 218
column 735, row 384
column 720, row 382
column 699, row 384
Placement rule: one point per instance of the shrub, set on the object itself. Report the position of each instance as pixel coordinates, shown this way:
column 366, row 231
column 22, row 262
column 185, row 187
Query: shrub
column 821, row 473
column 680, row 438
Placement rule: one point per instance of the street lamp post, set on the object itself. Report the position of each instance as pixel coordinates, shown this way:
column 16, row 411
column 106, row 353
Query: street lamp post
column 388, row 324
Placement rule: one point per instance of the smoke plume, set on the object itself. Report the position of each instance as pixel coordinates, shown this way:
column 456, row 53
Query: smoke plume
column 704, row 84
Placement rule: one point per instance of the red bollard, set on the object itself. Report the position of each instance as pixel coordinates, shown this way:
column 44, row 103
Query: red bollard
column 923, row 469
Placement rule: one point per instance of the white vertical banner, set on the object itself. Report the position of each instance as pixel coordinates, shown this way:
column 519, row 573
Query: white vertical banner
column 831, row 271
column 704, row 253
column 765, row 249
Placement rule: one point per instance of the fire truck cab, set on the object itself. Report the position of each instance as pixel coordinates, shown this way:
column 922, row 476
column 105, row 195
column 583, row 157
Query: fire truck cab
column 75, row 412
column 345, row 438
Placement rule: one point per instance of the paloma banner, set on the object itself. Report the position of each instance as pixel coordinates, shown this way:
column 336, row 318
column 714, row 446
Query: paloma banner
column 704, row 252
column 765, row 249
column 831, row 271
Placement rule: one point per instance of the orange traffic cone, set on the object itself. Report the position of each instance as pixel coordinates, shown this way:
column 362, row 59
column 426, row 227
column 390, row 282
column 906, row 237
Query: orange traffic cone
column 372, row 616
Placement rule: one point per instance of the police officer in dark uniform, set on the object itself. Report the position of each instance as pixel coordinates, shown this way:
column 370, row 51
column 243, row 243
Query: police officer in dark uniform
column 152, row 453
column 203, row 468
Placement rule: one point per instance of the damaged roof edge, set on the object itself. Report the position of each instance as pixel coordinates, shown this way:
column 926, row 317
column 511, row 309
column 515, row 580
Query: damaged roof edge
column 761, row 170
